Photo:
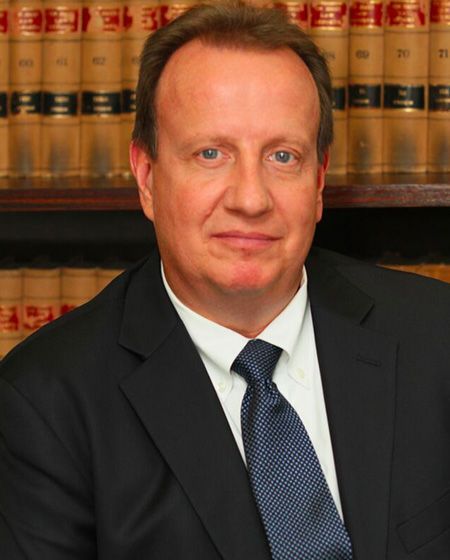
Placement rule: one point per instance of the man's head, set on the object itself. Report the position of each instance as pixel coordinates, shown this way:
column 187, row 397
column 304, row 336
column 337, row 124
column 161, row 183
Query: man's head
column 234, row 25
column 234, row 181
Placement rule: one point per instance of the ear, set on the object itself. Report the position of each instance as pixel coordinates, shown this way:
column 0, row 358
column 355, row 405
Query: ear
column 142, row 169
column 321, row 172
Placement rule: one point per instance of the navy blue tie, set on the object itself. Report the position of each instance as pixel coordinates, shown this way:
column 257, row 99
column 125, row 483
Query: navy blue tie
column 296, row 507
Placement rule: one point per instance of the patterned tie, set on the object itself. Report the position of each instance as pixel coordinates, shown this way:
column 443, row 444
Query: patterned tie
column 293, row 498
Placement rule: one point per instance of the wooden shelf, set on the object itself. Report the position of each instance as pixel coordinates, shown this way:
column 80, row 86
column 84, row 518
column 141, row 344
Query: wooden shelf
column 346, row 191
column 388, row 191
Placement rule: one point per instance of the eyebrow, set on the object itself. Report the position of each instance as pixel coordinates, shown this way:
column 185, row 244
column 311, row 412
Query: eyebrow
column 231, row 141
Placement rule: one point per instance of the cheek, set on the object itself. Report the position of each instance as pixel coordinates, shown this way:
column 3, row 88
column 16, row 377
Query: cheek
column 300, row 213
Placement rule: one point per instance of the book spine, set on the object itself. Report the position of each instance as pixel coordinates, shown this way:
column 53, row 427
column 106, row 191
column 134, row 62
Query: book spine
column 365, row 123
column 405, row 86
column 60, row 88
column 329, row 30
column 439, row 271
column 106, row 275
column 101, row 88
column 171, row 9
column 78, row 285
column 11, row 327
column 439, row 87
column 140, row 19
column 41, row 297
column 4, row 84
column 298, row 12
column 25, row 87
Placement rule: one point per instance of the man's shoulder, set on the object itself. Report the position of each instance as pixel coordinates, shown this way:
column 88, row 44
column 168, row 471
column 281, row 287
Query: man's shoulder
column 376, row 278
column 84, row 339
column 400, row 297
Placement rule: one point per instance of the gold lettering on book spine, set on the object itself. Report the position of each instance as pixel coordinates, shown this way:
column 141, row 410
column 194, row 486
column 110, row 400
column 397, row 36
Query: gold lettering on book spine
column 61, row 84
column 101, row 73
column 25, row 77
column 328, row 28
column 365, row 125
column 406, row 66
column 4, row 86
column 439, row 83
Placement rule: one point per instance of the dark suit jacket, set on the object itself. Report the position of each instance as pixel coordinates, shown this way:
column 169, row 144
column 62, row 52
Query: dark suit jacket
column 114, row 444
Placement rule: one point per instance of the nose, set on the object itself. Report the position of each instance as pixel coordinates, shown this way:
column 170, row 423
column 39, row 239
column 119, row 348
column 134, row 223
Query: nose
column 248, row 192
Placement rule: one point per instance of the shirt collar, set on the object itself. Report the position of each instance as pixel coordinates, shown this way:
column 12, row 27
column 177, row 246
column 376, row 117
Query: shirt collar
column 221, row 345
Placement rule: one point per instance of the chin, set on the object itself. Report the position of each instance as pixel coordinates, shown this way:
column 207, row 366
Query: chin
column 248, row 279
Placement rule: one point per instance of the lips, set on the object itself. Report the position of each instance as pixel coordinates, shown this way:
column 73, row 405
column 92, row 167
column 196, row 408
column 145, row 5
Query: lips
column 252, row 239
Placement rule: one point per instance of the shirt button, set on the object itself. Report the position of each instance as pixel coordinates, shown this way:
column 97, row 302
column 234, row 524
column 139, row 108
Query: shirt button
column 300, row 374
column 222, row 386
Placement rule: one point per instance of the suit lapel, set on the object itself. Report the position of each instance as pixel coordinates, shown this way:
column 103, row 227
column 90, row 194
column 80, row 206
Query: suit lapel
column 173, row 396
column 358, row 373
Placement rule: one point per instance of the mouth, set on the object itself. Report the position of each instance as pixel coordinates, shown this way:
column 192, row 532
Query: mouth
column 246, row 240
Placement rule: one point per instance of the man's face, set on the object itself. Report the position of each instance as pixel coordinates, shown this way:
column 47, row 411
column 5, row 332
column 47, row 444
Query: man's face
column 236, row 188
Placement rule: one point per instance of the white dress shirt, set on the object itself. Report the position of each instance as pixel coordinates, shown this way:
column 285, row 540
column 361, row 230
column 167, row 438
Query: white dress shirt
column 296, row 375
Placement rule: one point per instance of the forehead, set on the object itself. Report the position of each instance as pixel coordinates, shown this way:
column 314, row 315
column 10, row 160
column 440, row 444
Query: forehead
column 206, row 81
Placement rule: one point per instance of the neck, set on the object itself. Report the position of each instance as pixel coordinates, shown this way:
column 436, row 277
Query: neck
column 245, row 313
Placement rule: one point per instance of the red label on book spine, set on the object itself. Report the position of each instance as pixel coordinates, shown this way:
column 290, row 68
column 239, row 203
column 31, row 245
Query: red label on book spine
column 329, row 15
column 27, row 21
column 37, row 316
column 61, row 20
column 440, row 11
column 9, row 318
column 100, row 19
column 3, row 21
column 366, row 14
column 406, row 13
column 168, row 13
column 297, row 11
column 145, row 18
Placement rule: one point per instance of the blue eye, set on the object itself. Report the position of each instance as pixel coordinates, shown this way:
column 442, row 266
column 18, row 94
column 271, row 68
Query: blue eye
column 210, row 153
column 283, row 157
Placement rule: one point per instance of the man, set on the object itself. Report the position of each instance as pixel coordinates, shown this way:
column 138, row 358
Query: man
column 132, row 428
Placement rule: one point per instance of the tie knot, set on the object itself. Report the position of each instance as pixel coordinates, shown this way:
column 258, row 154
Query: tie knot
column 256, row 361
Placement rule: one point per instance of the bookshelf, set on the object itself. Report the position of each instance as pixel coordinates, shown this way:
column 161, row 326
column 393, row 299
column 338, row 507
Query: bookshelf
column 114, row 194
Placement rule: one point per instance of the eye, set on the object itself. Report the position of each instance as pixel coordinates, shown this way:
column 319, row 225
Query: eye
column 281, row 156
column 209, row 153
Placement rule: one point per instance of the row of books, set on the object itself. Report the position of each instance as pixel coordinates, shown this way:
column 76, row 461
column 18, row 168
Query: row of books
column 33, row 296
column 390, row 65
column 68, row 72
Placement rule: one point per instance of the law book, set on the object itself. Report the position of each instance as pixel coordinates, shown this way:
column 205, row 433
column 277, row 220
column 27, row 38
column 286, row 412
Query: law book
column 365, row 82
column 438, row 271
column 78, row 285
column 60, row 88
column 108, row 271
column 4, row 85
column 171, row 9
column 140, row 19
column 25, row 88
column 405, row 86
column 41, row 296
column 101, row 88
column 328, row 28
column 438, row 159
column 11, row 328
column 297, row 11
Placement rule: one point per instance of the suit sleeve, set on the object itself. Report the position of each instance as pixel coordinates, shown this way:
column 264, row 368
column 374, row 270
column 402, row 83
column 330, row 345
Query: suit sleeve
column 46, row 506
